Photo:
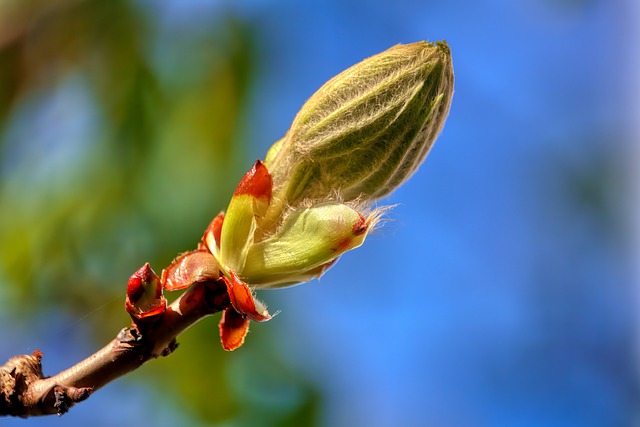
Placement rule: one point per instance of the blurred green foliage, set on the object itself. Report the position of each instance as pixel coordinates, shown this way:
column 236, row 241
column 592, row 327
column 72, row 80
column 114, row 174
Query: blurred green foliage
column 119, row 141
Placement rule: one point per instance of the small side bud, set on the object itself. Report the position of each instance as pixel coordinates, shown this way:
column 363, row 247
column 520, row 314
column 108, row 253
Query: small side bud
column 144, row 294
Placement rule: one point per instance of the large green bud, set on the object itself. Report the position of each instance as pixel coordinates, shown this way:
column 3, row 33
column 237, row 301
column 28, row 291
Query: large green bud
column 368, row 129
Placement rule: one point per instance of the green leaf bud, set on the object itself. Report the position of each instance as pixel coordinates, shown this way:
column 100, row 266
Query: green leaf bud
column 367, row 130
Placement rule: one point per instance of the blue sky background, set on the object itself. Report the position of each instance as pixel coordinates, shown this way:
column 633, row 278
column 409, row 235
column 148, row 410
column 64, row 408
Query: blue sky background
column 504, row 291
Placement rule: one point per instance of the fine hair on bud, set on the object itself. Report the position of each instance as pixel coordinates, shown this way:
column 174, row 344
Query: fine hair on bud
column 369, row 128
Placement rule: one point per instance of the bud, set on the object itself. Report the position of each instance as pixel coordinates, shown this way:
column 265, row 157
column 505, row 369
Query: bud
column 290, row 218
column 368, row 129
column 144, row 294
column 309, row 239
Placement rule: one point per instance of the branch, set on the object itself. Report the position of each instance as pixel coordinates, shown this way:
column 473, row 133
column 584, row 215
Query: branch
column 24, row 391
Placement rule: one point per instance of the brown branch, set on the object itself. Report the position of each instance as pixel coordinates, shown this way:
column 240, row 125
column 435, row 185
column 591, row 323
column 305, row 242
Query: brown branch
column 24, row 391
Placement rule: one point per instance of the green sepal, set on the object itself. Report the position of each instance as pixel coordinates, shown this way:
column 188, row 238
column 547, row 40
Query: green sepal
column 237, row 232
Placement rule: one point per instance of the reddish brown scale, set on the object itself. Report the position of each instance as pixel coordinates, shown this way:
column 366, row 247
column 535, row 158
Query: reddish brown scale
column 189, row 268
column 78, row 394
column 135, row 290
column 233, row 328
column 242, row 299
column 213, row 229
column 257, row 182
column 154, row 311
column 216, row 227
column 358, row 228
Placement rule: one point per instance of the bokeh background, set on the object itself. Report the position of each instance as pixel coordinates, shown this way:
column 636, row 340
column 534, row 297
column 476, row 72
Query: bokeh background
column 503, row 293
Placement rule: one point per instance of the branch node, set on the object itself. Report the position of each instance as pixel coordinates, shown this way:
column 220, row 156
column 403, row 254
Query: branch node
column 129, row 335
column 170, row 348
column 66, row 397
